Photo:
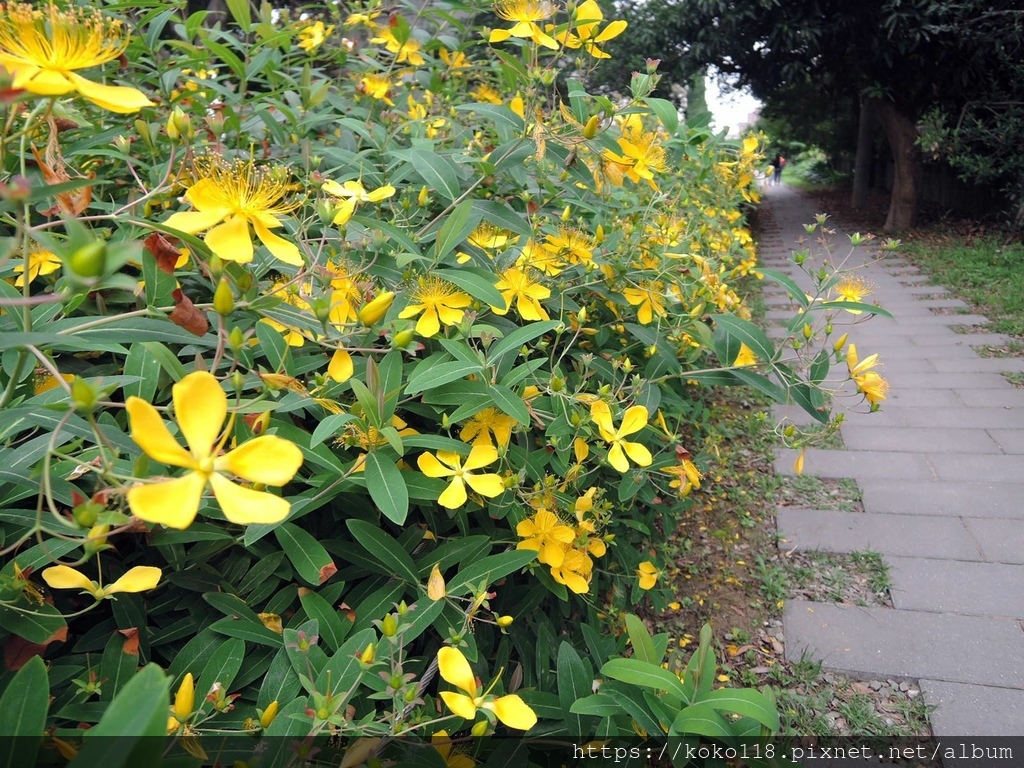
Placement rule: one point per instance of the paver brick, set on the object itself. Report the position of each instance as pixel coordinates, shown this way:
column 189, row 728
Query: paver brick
column 1001, row 468
column 1001, row 540
column 973, row 710
column 876, row 641
column 869, row 437
column 855, row 464
column 1010, row 398
column 978, row 417
column 897, row 379
column 833, row 531
column 1009, row 440
column 957, row 586
column 949, row 498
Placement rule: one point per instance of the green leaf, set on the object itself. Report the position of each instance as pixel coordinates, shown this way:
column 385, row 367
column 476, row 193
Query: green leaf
column 395, row 561
column 343, row 670
column 456, row 228
column 644, row 674
column 667, row 113
column 596, row 704
column 332, row 628
column 425, row 378
column 511, row 403
column 241, row 13
column 386, row 485
column 640, row 639
column 795, row 291
column 519, row 337
column 574, row 683
column 477, row 283
column 490, row 570
column 221, row 668
column 503, row 216
column 746, row 332
column 249, row 631
column 166, row 358
column 23, row 709
column 308, row 555
column 500, row 114
column 329, row 427
column 856, row 306
column 273, row 345
column 117, row 667
column 440, row 173
column 142, row 364
column 746, row 702
column 38, row 627
column 701, row 720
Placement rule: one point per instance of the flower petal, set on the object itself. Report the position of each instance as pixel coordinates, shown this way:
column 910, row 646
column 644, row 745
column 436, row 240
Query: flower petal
column 454, row 496
column 341, row 368
column 191, row 222
column 638, row 453
column 244, row 506
column 489, row 485
column 266, row 459
column 65, row 577
column 481, row 455
column 116, row 98
column 281, row 248
column 617, row 458
column 44, row 82
column 428, row 324
column 138, row 579
column 200, row 406
column 601, row 415
column 633, row 420
column 460, row 705
column 513, row 712
column 173, row 503
column 230, row 240
column 455, row 669
column 431, row 467
column 150, row 432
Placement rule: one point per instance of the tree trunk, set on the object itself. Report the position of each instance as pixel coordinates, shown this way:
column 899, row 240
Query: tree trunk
column 901, row 134
column 862, row 165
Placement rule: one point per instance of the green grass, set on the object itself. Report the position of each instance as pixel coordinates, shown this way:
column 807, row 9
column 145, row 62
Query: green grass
column 985, row 271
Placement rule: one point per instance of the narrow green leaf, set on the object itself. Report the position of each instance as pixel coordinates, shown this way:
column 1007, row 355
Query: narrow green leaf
column 640, row 639
column 456, row 228
column 386, row 485
column 308, row 555
column 748, row 333
column 504, row 216
column 273, row 345
column 439, row 172
column 644, row 674
column 23, row 709
column 519, row 337
column 667, row 113
column 701, row 720
column 795, row 291
column 395, row 561
column 490, row 570
column 142, row 364
column 573, row 684
column 746, row 702
column 436, row 375
column 477, row 283
column 511, row 403
column 332, row 628
column 221, row 668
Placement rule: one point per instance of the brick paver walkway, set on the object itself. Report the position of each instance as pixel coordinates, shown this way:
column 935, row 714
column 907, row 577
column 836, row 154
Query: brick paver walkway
column 941, row 469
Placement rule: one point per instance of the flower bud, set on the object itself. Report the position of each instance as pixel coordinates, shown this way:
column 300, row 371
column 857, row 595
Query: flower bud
column 590, row 129
column 840, row 343
column 90, row 260
column 179, row 124
column 479, row 728
column 268, row 715
column 369, row 654
column 236, row 339
column 389, row 627
column 504, row 621
column 223, row 298
column 808, row 331
column 373, row 312
column 423, row 198
column 402, row 339
column 84, row 395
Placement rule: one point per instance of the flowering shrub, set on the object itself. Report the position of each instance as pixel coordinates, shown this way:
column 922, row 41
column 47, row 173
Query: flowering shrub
column 357, row 360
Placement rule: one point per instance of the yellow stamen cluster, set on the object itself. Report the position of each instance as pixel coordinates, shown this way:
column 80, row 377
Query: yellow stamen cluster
column 66, row 39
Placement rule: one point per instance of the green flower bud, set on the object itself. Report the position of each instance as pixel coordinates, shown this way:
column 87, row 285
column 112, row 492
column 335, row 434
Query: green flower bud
column 223, row 298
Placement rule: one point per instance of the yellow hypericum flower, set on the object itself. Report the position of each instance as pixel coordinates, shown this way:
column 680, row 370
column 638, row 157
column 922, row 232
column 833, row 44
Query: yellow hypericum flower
column 488, row 237
column 450, row 754
column 43, row 47
column 39, row 263
column 312, row 36
column 853, row 288
column 449, row 464
column 405, row 53
column 687, row 476
column 184, row 699
column 293, row 296
column 352, row 192
column 647, row 574
column 575, row 571
column 520, row 286
column 346, row 294
column 200, row 407
column 138, row 579
column 454, row 61
column 486, row 94
column 744, row 357
column 633, row 420
column 489, row 421
column 227, row 198
column 454, row 669
column 525, row 14
column 572, row 245
column 439, row 301
column 366, row 19
column 547, row 535
column 869, row 382
column 541, row 258
column 650, row 300
column 376, row 87
column 585, row 34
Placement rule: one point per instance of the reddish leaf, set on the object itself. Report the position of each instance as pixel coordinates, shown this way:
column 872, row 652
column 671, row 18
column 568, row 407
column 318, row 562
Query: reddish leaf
column 165, row 253
column 327, row 571
column 131, row 642
column 18, row 650
column 187, row 316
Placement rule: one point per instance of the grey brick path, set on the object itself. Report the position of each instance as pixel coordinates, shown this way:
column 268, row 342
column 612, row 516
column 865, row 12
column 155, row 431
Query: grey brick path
column 941, row 470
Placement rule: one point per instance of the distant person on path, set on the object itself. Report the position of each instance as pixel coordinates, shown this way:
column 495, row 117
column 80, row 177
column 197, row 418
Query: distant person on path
column 777, row 165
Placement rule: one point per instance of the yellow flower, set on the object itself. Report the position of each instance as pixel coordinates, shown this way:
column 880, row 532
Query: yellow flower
column 574, row 572
column 452, row 756
column 869, row 382
column 43, row 47
column 571, row 244
column 525, row 14
column 405, row 53
column 227, row 198
column 312, row 36
column 366, row 19
column 454, row 669
column 486, row 94
column 687, row 476
column 519, row 285
column 454, row 61
column 650, row 297
column 744, row 357
column 184, row 699
column 341, row 368
column 345, row 296
column 488, row 237
column 642, row 153
column 439, row 301
column 489, row 421
column 292, row 296
column 200, row 407
column 853, row 288
column 39, row 263
column 376, row 87
column 352, row 192
column 449, row 464
column 633, row 420
column 547, row 535
column 138, row 579
column 586, row 19
column 647, row 574
column 543, row 258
